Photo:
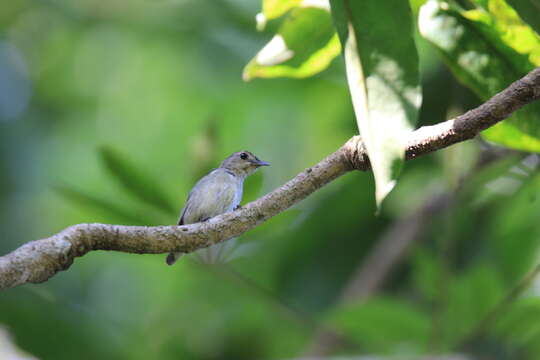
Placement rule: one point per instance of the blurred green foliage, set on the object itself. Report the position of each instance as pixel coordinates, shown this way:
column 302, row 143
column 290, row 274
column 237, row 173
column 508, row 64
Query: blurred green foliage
column 111, row 111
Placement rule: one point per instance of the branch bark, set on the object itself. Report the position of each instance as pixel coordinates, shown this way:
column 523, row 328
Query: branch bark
column 39, row 260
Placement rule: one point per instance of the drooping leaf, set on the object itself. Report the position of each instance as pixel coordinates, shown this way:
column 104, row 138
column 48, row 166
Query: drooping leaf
column 529, row 10
column 104, row 207
column 383, row 325
column 483, row 51
column 135, row 180
column 305, row 45
column 382, row 71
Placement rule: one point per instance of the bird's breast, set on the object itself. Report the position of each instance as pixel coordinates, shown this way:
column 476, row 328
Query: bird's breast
column 215, row 194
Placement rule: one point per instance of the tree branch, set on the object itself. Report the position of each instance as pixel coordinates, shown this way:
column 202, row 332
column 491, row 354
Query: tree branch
column 39, row 260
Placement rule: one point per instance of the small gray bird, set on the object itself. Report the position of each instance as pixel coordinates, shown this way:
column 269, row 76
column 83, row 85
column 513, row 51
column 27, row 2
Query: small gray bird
column 218, row 192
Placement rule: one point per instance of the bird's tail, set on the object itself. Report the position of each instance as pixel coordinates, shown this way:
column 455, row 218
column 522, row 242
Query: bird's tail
column 220, row 253
column 173, row 257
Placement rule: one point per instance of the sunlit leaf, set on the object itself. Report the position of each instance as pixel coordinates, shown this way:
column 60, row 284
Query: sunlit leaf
column 486, row 53
column 273, row 9
column 305, row 45
column 507, row 33
column 135, row 180
column 528, row 10
column 382, row 71
column 383, row 324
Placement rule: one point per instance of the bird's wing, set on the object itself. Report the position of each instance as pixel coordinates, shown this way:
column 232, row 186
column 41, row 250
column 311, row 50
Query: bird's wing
column 214, row 194
column 181, row 220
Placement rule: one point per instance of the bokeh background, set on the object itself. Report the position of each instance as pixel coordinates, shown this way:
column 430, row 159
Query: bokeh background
column 111, row 110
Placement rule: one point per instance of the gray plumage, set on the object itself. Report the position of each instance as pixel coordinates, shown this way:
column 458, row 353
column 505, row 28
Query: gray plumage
column 218, row 192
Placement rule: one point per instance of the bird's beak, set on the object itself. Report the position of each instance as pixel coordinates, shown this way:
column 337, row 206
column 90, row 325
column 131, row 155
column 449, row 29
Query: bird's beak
column 261, row 163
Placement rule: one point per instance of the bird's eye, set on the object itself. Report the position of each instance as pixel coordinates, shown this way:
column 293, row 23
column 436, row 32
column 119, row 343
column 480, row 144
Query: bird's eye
column 243, row 156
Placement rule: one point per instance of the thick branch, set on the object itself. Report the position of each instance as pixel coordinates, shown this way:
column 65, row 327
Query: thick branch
column 38, row 260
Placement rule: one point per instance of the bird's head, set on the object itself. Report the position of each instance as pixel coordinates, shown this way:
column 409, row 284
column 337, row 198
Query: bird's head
column 243, row 163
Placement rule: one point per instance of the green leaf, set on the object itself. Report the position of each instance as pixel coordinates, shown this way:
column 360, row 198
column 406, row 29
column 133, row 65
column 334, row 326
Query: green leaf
column 273, row 9
column 383, row 325
column 305, row 45
column 382, row 71
column 483, row 186
column 106, row 208
column 135, row 180
column 486, row 53
column 469, row 297
column 461, row 299
column 416, row 4
column 528, row 10
column 507, row 33
column 519, row 323
column 517, row 219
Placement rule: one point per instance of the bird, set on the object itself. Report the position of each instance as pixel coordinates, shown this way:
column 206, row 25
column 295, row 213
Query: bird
column 218, row 192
